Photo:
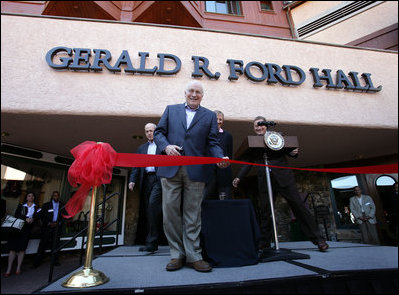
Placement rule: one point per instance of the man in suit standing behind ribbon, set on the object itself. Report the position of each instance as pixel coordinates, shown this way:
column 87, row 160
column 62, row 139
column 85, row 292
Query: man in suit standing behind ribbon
column 363, row 208
column 51, row 219
column 186, row 129
column 150, row 191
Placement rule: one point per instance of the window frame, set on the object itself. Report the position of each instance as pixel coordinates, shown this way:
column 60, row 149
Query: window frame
column 266, row 10
column 334, row 195
column 238, row 7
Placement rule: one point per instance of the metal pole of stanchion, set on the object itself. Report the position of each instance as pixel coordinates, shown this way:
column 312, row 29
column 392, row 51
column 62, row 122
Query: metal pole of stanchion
column 88, row 277
column 91, row 231
column 269, row 189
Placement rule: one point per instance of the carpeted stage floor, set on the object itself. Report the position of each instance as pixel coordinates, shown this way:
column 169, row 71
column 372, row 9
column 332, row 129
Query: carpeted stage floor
column 346, row 268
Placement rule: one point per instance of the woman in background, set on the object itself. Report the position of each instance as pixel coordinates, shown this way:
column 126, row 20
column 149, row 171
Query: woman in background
column 18, row 241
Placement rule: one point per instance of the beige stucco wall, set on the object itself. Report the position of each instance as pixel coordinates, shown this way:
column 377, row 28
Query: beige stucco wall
column 29, row 85
column 371, row 20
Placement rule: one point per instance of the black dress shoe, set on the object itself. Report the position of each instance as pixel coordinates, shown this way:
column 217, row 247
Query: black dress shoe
column 148, row 248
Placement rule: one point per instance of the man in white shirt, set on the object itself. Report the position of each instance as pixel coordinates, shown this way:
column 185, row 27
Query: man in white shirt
column 363, row 209
column 150, row 193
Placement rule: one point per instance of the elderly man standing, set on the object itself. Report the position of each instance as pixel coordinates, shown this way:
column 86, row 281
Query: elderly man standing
column 363, row 208
column 186, row 129
column 150, row 191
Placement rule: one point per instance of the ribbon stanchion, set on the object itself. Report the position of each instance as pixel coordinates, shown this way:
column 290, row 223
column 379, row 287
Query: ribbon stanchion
column 88, row 277
column 92, row 167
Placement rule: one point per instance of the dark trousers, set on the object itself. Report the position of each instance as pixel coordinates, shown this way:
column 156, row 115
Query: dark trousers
column 220, row 183
column 294, row 200
column 152, row 197
column 46, row 242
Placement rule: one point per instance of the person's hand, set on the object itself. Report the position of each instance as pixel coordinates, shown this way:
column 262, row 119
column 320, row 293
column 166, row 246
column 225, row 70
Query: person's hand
column 236, row 181
column 172, row 150
column 294, row 152
column 29, row 220
column 224, row 163
column 131, row 186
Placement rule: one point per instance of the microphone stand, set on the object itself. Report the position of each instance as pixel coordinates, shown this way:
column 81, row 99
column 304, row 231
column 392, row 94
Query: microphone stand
column 275, row 254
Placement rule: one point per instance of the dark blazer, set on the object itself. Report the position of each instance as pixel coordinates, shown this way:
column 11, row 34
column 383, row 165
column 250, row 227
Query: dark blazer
column 226, row 142
column 224, row 175
column 19, row 241
column 47, row 212
column 21, row 212
column 199, row 138
column 137, row 173
column 3, row 208
column 283, row 177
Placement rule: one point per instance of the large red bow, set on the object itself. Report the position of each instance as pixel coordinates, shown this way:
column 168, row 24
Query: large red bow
column 92, row 167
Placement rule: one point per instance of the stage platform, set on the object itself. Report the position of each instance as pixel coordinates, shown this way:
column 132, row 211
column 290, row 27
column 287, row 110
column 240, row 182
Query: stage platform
column 346, row 268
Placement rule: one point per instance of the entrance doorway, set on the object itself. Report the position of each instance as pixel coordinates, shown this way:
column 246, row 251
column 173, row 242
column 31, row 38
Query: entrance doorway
column 389, row 198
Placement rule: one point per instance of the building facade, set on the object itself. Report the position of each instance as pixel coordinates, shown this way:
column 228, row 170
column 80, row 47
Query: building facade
column 100, row 70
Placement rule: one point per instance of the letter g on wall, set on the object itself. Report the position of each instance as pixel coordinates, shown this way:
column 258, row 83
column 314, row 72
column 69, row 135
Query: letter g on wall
column 65, row 61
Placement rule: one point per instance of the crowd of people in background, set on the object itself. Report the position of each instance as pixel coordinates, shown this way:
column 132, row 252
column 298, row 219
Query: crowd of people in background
column 46, row 218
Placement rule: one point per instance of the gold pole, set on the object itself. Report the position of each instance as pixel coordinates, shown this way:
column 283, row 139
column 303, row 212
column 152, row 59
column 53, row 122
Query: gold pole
column 88, row 277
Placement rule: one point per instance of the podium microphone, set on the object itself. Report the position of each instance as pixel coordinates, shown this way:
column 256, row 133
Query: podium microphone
column 267, row 123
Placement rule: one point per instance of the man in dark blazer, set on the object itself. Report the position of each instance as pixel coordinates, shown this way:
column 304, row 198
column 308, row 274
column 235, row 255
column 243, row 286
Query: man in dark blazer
column 51, row 218
column 150, row 191
column 218, row 185
column 283, row 182
column 186, row 129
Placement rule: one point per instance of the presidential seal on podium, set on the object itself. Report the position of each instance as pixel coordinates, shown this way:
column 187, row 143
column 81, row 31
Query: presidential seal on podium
column 274, row 140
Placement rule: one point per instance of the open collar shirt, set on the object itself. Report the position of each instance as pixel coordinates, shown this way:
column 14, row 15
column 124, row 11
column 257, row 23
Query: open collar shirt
column 190, row 113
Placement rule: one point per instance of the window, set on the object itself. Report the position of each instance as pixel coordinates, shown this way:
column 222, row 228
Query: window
column 225, row 7
column 266, row 5
column 385, row 180
column 344, row 182
column 342, row 189
column 20, row 175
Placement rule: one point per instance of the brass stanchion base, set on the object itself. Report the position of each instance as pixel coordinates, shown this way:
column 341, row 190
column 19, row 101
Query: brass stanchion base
column 87, row 277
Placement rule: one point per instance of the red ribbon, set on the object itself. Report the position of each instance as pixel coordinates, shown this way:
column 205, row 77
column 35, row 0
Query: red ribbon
column 141, row 160
column 94, row 162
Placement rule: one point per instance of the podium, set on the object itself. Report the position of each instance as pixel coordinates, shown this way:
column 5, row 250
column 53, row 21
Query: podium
column 254, row 147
